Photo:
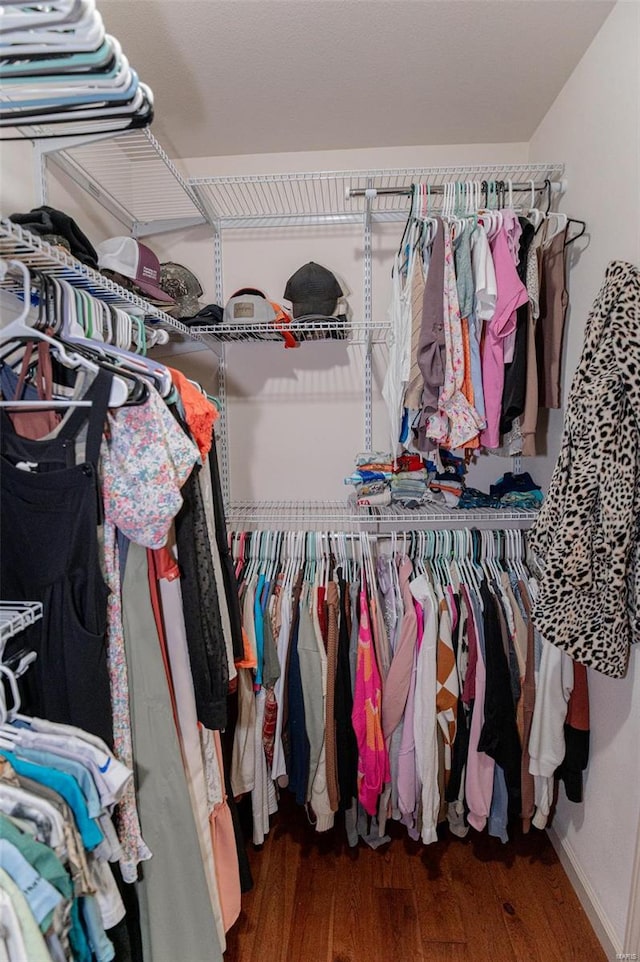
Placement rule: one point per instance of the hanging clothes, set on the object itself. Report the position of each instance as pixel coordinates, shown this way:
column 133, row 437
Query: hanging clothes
column 49, row 517
column 585, row 535
column 114, row 479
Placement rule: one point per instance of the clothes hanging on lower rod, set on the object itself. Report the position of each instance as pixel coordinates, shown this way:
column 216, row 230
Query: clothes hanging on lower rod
column 401, row 681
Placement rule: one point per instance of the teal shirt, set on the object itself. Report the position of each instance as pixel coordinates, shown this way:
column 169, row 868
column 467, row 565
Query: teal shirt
column 66, row 786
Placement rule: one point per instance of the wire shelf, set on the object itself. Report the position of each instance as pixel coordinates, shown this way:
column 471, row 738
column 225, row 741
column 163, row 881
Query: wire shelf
column 15, row 616
column 345, row 516
column 131, row 175
column 279, row 200
column 354, row 332
column 19, row 244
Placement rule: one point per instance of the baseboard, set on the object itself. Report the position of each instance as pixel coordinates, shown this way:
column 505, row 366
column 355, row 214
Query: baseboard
column 588, row 898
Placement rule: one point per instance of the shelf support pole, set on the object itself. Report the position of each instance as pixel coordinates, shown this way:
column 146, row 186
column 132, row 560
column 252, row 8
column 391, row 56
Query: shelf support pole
column 40, row 174
column 368, row 319
column 222, row 430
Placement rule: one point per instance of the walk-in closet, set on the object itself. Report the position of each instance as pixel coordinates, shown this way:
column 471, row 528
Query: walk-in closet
column 319, row 473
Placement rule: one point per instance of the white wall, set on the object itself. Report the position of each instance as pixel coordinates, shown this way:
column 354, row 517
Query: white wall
column 284, row 445
column 282, row 403
column 18, row 192
column 594, row 127
column 284, row 406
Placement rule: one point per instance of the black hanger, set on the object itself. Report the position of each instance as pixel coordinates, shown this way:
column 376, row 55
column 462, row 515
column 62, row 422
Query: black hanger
column 409, row 220
column 583, row 227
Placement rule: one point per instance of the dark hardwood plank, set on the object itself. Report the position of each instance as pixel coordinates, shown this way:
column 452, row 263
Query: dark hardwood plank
column 438, row 900
column 478, row 902
column 543, row 916
column 276, row 910
column 357, row 928
column 472, row 900
column 400, row 929
column 312, row 920
column 448, row 952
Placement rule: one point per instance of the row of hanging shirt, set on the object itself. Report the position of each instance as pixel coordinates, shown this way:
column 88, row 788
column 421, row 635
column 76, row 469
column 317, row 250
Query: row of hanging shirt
column 59, row 785
column 407, row 683
column 111, row 517
column 477, row 319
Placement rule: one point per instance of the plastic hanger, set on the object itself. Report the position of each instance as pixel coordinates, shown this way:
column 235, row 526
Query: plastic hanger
column 18, row 330
column 81, row 312
column 72, row 331
column 561, row 221
column 581, row 232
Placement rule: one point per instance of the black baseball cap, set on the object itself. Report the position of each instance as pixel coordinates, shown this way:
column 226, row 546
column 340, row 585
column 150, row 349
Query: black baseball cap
column 313, row 290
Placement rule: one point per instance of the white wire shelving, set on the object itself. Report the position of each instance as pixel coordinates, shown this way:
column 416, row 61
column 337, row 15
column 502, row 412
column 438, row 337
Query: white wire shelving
column 131, row 176
column 15, row 616
column 345, row 516
column 19, row 244
column 253, row 201
column 354, row 332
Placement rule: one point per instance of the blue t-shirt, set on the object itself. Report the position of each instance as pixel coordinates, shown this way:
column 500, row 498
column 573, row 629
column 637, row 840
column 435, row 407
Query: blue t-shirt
column 66, row 786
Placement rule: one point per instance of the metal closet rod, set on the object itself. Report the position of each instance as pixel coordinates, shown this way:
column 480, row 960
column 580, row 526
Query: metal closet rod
column 556, row 186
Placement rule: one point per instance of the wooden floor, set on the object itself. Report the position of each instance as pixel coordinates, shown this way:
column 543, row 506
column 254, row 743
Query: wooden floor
column 472, row 900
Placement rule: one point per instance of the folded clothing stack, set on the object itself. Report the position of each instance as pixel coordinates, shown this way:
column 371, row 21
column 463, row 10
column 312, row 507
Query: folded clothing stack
column 408, row 487
column 449, row 487
column 447, row 478
column 510, row 491
column 379, row 480
column 373, row 472
column 517, row 491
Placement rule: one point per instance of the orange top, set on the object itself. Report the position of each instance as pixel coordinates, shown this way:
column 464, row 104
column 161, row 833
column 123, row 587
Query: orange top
column 200, row 413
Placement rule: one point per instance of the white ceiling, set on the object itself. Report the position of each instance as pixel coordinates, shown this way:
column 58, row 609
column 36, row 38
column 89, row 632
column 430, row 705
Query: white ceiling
column 267, row 76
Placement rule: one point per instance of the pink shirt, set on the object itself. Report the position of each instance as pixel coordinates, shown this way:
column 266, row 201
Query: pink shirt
column 511, row 295
column 373, row 759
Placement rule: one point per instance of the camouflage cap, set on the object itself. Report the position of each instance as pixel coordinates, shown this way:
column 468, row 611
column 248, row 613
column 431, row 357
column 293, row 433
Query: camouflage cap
column 183, row 286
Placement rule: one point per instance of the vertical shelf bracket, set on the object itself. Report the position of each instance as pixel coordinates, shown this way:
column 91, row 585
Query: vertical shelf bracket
column 40, row 174
column 223, row 425
column 368, row 318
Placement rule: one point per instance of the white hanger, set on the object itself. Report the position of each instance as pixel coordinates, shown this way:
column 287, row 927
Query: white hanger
column 560, row 225
column 18, row 330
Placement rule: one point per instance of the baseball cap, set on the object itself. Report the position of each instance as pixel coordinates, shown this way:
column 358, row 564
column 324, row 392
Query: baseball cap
column 313, row 290
column 46, row 221
column 127, row 256
column 208, row 315
column 249, row 306
column 183, row 287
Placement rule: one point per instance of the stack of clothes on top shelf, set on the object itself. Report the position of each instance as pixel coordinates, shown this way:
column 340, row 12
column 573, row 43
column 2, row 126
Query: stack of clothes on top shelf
column 510, row 491
column 411, row 481
column 408, row 481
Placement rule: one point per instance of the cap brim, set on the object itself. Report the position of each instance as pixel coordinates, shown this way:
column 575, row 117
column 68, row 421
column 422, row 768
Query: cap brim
column 155, row 292
column 309, row 318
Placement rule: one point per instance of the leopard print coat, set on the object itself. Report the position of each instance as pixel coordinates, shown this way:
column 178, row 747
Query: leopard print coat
column 586, row 536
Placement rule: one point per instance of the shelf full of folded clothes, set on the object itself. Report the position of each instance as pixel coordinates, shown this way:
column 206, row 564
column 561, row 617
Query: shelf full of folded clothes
column 411, row 482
